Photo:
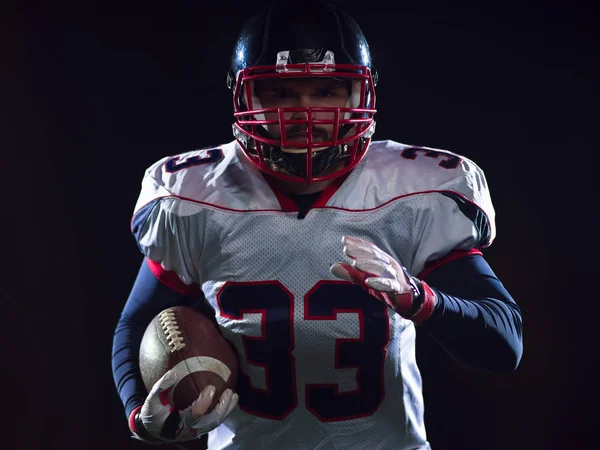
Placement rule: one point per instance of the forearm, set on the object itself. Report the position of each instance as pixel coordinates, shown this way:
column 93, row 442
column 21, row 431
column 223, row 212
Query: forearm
column 147, row 298
column 126, row 375
column 476, row 320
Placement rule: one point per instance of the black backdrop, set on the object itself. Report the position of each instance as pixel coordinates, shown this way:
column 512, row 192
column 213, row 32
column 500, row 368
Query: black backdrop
column 97, row 91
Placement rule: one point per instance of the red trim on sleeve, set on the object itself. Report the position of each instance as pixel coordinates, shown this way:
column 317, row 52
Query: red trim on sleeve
column 171, row 279
column 454, row 254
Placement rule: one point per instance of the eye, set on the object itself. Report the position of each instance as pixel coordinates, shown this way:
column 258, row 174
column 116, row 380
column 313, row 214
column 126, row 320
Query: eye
column 325, row 93
column 279, row 93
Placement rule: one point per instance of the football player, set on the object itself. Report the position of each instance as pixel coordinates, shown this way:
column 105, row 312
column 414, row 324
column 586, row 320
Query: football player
column 317, row 250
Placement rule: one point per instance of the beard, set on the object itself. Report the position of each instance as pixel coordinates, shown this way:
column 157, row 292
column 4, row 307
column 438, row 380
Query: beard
column 292, row 160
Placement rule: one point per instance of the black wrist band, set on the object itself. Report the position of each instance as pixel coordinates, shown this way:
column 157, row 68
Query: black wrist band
column 417, row 300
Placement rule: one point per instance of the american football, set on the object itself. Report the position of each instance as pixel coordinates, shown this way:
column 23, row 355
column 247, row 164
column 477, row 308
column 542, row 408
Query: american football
column 190, row 342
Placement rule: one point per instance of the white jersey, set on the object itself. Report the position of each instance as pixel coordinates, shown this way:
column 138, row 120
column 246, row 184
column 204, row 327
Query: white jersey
column 322, row 363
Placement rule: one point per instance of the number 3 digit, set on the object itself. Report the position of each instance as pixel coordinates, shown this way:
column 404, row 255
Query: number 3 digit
column 449, row 161
column 205, row 156
column 272, row 350
column 366, row 353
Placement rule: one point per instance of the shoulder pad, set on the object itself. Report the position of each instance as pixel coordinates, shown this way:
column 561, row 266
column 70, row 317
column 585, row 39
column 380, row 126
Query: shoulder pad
column 391, row 170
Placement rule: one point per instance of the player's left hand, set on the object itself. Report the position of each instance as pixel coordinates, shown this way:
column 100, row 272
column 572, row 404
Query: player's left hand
column 385, row 279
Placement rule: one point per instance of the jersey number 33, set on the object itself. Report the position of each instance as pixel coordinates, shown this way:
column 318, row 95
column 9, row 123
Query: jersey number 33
column 273, row 350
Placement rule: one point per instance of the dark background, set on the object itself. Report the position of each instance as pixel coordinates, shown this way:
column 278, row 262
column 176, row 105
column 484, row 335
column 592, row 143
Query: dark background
column 97, row 91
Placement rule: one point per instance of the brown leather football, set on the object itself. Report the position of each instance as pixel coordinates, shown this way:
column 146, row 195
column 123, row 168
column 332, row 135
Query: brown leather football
column 187, row 340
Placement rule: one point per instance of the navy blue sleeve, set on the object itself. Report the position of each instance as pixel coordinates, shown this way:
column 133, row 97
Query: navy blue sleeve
column 476, row 321
column 147, row 298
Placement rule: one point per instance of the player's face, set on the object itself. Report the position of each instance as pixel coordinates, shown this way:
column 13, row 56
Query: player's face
column 302, row 93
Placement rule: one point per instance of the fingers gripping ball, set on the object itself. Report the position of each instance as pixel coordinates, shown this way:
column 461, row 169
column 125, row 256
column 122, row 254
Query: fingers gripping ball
column 189, row 343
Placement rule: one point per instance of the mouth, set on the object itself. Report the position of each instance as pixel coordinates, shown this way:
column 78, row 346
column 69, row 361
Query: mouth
column 303, row 137
column 296, row 136
column 298, row 133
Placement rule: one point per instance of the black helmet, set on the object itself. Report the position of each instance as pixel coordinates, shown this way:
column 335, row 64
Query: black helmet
column 301, row 39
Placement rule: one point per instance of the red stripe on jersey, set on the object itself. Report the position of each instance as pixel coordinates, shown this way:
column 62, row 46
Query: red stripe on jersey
column 291, row 204
column 454, row 254
column 171, row 279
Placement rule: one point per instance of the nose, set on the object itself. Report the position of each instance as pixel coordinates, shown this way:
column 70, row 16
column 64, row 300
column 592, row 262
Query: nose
column 300, row 115
column 302, row 101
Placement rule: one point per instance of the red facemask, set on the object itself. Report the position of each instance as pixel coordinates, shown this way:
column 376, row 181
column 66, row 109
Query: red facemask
column 303, row 159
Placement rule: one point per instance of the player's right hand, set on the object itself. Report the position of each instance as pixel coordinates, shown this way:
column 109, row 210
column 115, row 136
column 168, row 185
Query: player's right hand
column 156, row 421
